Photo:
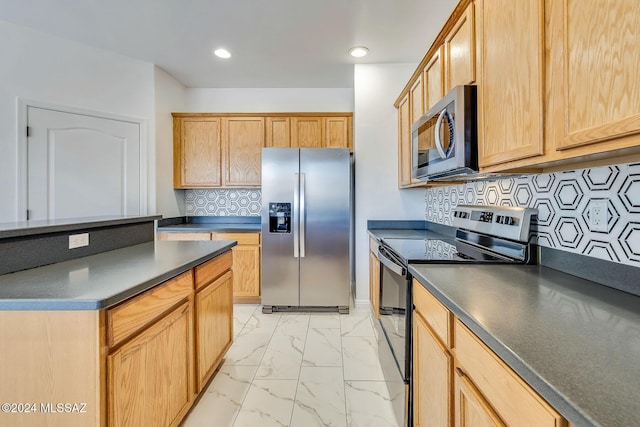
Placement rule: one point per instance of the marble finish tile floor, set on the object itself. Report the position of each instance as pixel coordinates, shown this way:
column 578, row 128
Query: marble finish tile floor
column 297, row 370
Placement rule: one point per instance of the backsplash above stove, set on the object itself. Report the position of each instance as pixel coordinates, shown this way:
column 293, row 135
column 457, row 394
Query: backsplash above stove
column 223, row 202
column 563, row 200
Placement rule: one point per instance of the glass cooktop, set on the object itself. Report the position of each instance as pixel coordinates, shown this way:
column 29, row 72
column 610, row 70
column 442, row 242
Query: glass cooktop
column 437, row 251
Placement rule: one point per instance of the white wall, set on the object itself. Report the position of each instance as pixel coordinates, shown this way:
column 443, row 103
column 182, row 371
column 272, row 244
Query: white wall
column 376, row 146
column 260, row 100
column 51, row 70
column 170, row 96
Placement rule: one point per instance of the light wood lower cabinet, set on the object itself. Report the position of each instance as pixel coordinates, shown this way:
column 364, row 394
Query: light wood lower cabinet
column 374, row 277
column 458, row 380
column 133, row 364
column 246, row 260
column 214, row 326
column 471, row 408
column 150, row 378
column 246, row 265
column 432, row 367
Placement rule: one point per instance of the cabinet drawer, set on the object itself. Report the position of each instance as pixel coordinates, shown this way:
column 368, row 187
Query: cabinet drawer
column 210, row 270
column 242, row 238
column 138, row 312
column 432, row 310
column 514, row 401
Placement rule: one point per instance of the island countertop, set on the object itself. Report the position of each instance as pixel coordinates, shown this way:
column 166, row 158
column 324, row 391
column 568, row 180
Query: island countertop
column 105, row 279
column 574, row 341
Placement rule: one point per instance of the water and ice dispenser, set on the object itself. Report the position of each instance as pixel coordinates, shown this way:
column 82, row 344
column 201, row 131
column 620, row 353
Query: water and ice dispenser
column 279, row 217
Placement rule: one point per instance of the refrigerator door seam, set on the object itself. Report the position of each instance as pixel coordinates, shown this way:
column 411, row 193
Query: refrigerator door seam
column 296, row 214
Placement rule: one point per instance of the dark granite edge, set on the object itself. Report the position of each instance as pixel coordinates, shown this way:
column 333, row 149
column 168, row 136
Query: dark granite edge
column 553, row 396
column 25, row 229
column 98, row 304
column 607, row 273
column 230, row 228
column 164, row 222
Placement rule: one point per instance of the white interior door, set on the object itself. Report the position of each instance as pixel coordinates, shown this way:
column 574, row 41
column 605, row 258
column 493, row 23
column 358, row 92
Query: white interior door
column 81, row 166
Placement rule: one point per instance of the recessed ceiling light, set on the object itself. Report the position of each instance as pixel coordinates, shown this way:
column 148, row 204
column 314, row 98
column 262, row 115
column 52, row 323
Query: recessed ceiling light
column 358, row 51
column 222, row 53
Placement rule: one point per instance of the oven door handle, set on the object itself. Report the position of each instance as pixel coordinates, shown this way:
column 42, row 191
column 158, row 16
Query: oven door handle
column 391, row 264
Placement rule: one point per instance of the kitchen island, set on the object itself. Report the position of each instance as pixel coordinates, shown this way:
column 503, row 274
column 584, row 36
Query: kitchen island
column 125, row 337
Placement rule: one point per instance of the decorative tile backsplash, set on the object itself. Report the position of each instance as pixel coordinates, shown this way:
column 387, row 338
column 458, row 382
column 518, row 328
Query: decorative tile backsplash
column 564, row 202
column 223, row 202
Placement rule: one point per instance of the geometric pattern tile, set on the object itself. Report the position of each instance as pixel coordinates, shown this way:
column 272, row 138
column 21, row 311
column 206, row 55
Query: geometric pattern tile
column 223, row 202
column 563, row 200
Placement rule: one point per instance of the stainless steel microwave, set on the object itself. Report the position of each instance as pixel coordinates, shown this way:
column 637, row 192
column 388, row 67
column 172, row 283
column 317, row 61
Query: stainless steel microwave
column 444, row 141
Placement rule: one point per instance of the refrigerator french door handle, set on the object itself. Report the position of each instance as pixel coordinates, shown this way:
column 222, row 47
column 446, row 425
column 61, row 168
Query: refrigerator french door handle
column 296, row 213
column 303, row 216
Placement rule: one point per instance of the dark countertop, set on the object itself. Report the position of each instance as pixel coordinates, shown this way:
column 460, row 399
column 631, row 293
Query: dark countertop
column 29, row 228
column 102, row 280
column 229, row 224
column 577, row 343
column 408, row 229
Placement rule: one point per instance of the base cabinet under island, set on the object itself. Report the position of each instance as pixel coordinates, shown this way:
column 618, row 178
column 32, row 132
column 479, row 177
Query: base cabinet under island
column 141, row 362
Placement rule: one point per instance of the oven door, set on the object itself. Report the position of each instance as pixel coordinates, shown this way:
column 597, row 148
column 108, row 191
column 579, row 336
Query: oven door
column 395, row 309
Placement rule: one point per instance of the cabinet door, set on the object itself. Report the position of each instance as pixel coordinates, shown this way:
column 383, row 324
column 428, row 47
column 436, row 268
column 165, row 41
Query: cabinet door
column 471, row 409
column 510, row 90
column 404, row 143
column 416, row 97
column 246, row 271
column 596, row 79
column 432, row 367
column 433, row 79
column 336, row 132
column 278, row 132
column 214, row 326
column 243, row 139
column 460, row 51
column 197, row 152
column 150, row 378
column 306, row 132
column 374, row 283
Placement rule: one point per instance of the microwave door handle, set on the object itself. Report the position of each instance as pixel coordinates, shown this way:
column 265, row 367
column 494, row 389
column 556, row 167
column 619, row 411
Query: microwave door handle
column 438, row 140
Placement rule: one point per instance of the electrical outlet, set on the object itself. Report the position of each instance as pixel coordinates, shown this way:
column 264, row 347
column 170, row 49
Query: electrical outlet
column 78, row 240
column 598, row 215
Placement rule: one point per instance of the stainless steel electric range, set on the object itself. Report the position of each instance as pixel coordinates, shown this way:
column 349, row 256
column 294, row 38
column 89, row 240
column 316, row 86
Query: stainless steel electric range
column 484, row 234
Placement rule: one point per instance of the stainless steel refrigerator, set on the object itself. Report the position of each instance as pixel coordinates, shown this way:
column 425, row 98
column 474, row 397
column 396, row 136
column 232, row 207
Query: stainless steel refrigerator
column 306, row 229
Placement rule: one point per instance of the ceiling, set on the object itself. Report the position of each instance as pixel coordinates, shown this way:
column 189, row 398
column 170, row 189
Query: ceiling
column 274, row 43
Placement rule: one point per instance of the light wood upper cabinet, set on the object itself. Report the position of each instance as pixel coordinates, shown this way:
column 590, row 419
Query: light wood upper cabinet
column 197, row 152
column 433, row 79
column 404, row 142
column 510, row 93
column 416, row 97
column 460, row 51
column 337, row 132
column 225, row 149
column 278, row 132
column 243, row 139
column 596, row 80
column 150, row 378
column 307, row 132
